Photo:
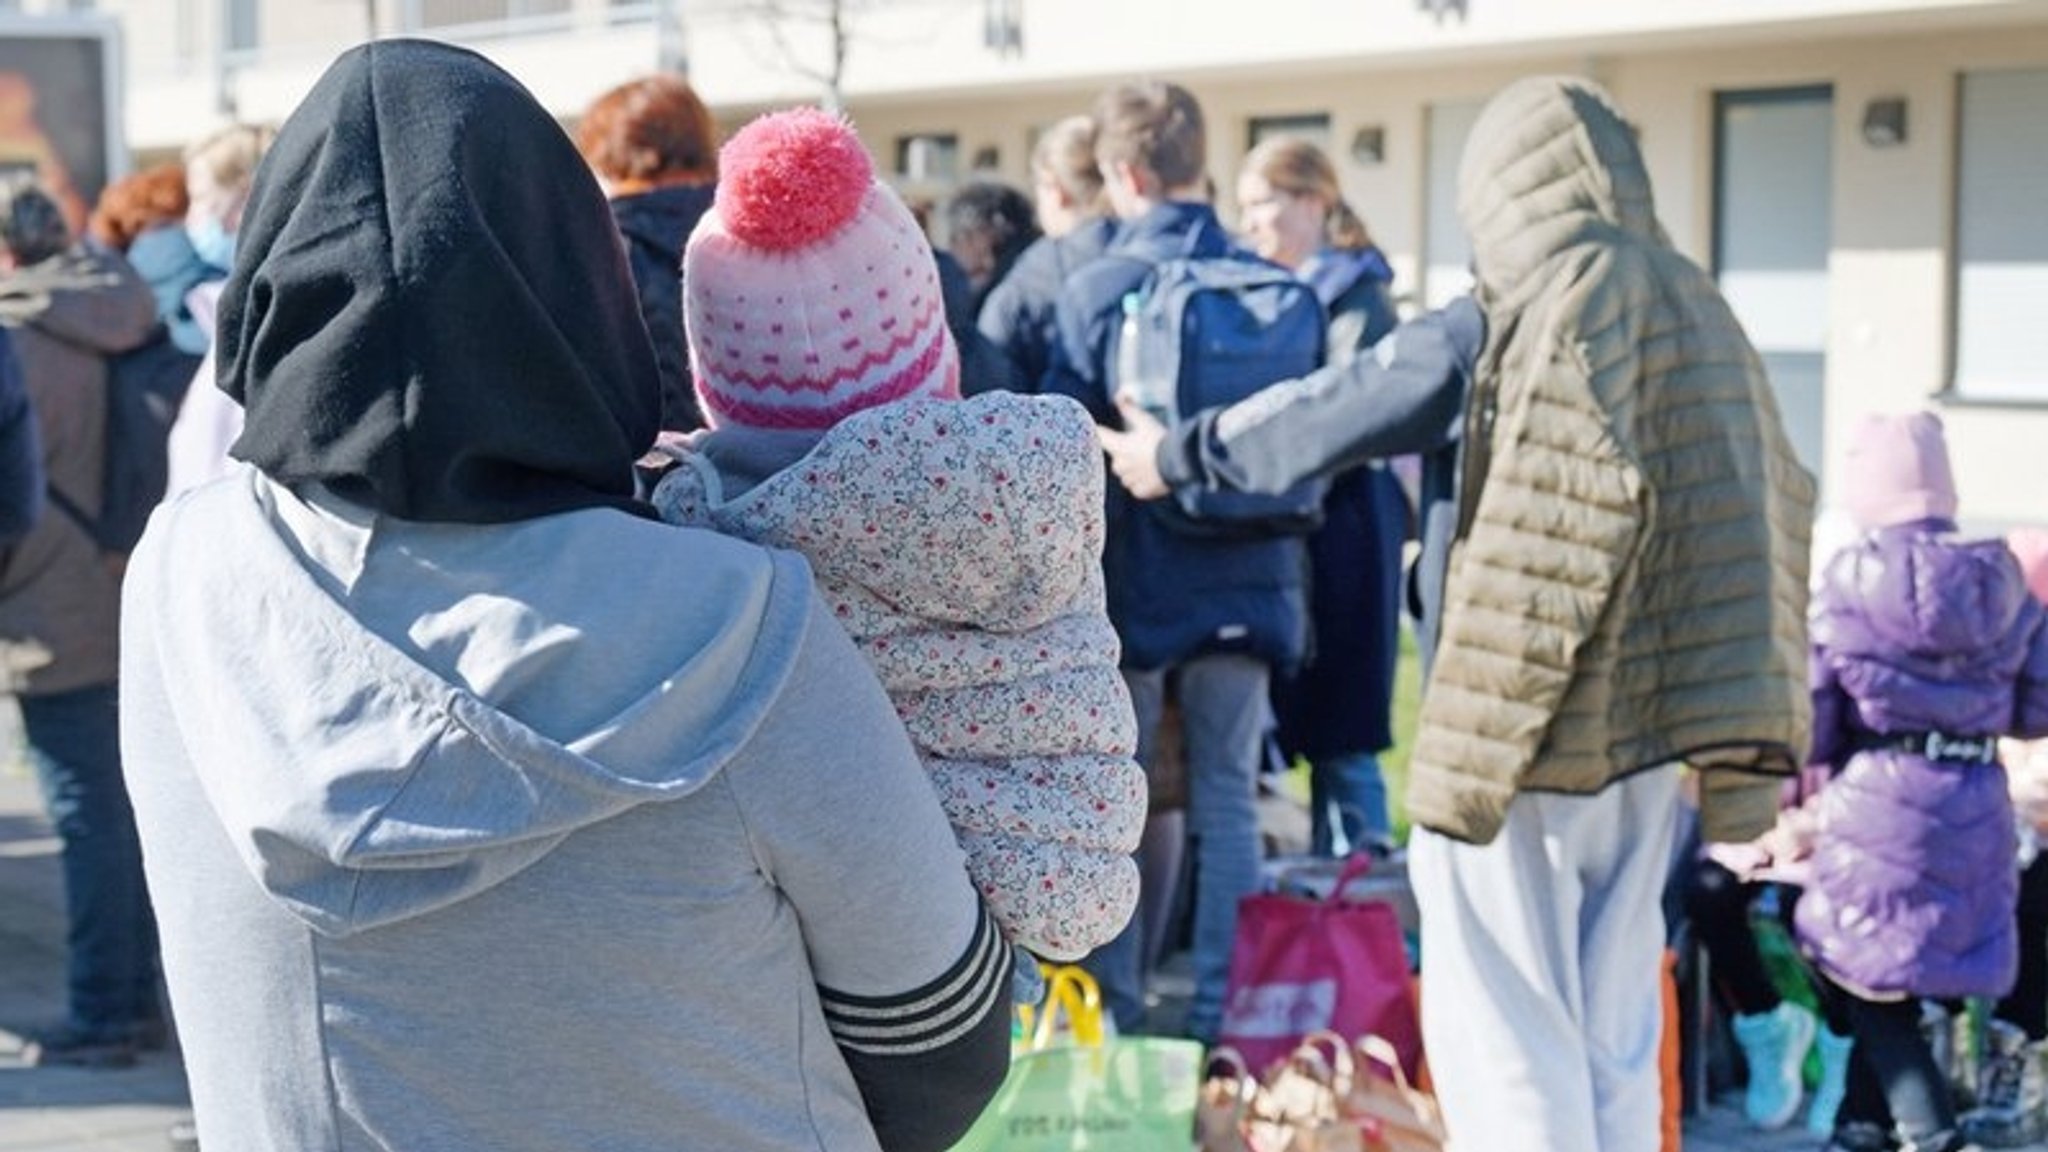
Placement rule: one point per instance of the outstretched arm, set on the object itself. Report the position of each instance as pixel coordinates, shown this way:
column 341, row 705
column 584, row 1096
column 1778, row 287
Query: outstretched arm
column 1406, row 395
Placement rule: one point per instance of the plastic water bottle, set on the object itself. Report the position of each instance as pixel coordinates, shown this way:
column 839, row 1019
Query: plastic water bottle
column 1151, row 394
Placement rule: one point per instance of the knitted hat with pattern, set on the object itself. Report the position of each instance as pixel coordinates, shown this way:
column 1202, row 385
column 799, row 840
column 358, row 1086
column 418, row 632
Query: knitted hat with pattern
column 1898, row 471
column 810, row 292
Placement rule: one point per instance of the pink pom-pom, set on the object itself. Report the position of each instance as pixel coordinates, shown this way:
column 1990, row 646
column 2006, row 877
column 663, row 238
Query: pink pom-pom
column 790, row 179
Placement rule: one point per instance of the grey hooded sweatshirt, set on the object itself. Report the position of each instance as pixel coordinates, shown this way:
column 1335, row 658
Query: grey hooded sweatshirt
column 476, row 837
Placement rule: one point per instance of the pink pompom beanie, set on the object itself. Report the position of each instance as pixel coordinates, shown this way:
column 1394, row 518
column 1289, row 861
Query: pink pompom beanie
column 809, row 291
column 1898, row 471
column 2031, row 546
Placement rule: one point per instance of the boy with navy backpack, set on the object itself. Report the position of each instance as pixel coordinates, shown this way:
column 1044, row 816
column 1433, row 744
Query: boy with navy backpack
column 1212, row 596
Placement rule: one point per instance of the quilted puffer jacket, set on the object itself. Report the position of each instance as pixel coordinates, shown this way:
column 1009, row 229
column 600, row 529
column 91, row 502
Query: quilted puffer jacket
column 1913, row 878
column 1627, row 586
column 960, row 543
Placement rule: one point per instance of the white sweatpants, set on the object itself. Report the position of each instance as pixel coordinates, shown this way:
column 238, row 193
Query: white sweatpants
column 1542, row 956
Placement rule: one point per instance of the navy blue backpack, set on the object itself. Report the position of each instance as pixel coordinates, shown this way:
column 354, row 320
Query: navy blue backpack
column 1221, row 328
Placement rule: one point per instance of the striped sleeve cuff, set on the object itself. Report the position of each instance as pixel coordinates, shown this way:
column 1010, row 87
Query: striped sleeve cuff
column 930, row 1017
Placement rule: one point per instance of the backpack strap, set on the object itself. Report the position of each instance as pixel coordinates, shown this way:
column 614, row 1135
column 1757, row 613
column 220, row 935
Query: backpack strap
column 71, row 510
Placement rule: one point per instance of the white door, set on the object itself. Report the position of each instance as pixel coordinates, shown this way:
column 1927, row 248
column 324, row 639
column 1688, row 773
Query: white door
column 1773, row 179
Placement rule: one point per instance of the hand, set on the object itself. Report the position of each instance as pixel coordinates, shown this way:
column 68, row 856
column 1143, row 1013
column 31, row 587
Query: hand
column 1134, row 452
column 1790, row 840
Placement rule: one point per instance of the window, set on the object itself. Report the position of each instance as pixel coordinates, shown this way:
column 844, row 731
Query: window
column 1773, row 232
column 2001, row 346
column 928, row 158
column 1446, row 251
column 1313, row 127
column 460, row 13
column 242, row 31
column 631, row 11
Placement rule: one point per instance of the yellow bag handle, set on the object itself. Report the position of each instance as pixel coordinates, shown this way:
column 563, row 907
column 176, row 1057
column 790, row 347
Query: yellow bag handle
column 1070, row 992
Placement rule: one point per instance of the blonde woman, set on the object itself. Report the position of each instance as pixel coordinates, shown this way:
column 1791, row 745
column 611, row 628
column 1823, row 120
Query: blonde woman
column 218, row 172
column 1337, row 712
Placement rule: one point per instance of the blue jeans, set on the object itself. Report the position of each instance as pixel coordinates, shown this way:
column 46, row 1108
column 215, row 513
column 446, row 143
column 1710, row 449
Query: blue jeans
column 1223, row 708
column 1347, row 794
column 74, row 741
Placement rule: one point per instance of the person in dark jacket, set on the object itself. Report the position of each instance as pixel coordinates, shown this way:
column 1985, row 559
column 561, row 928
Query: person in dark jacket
column 1337, row 712
column 988, row 225
column 68, row 308
column 1017, row 315
column 1927, row 647
column 1215, row 614
column 654, row 150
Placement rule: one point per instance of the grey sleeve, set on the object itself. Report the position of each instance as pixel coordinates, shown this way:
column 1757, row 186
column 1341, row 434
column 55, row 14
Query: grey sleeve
column 912, row 973
column 1405, row 395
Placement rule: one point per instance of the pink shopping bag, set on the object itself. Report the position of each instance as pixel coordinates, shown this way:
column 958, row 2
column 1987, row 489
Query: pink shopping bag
column 1301, row 965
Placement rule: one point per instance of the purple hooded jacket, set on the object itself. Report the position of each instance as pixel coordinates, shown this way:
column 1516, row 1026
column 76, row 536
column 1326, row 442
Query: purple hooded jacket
column 1913, row 880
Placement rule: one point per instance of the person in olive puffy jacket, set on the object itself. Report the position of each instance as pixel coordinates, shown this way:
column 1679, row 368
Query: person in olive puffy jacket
column 1927, row 647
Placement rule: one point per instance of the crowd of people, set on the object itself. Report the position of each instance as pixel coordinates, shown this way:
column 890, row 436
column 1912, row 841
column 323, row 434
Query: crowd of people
column 642, row 641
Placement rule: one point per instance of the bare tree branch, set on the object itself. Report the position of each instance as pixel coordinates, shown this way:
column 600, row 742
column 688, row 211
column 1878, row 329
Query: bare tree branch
column 833, row 18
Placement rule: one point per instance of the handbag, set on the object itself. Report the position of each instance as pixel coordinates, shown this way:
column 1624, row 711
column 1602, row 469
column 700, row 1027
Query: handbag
column 1325, row 1096
column 1301, row 965
column 1296, row 1107
column 1392, row 1114
column 1075, row 1086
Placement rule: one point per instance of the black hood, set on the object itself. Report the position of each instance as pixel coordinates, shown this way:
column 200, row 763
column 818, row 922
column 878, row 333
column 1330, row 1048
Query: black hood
column 430, row 308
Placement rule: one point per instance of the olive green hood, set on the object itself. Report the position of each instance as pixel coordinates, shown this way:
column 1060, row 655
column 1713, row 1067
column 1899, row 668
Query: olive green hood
column 1550, row 165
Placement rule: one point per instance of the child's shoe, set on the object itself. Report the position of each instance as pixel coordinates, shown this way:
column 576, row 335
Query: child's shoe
column 1834, row 1082
column 1774, row 1044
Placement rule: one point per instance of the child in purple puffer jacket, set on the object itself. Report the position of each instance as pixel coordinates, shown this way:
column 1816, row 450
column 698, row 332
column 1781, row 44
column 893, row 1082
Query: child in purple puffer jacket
column 1926, row 649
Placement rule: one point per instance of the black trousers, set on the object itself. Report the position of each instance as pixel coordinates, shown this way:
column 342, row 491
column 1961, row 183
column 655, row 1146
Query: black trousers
column 2027, row 1004
column 1717, row 902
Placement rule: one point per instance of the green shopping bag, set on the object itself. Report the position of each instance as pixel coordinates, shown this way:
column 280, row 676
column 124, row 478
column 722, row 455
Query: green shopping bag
column 1073, row 1089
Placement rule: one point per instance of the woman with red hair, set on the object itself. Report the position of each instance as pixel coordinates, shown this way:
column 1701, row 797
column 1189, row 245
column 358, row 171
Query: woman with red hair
column 654, row 150
column 142, row 216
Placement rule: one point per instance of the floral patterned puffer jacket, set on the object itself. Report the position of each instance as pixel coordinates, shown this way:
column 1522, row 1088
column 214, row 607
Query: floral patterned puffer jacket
column 959, row 542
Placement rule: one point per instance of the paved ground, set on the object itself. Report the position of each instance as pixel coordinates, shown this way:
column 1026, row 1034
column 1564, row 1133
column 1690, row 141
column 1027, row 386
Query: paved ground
column 58, row 1109
column 66, row 1110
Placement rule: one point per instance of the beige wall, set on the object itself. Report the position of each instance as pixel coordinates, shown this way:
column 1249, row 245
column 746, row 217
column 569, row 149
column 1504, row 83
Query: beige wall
column 1890, row 289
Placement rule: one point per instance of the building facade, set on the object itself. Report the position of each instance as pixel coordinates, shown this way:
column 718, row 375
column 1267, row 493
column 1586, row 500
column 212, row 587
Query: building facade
column 1865, row 177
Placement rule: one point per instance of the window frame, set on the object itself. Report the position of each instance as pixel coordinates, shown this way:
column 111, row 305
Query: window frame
column 1955, row 389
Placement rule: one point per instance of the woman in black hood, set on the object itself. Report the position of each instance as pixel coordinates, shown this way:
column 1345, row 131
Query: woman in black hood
column 410, row 327
column 480, row 808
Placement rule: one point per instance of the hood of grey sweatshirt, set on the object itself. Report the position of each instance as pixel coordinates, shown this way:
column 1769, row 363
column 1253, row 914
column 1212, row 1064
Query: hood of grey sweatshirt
column 387, row 771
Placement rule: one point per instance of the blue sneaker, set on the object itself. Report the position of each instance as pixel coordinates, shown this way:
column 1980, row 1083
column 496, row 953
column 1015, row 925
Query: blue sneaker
column 1774, row 1044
